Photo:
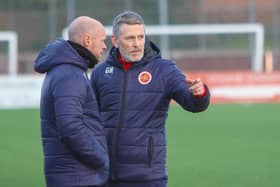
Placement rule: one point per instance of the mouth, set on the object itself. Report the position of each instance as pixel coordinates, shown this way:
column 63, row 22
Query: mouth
column 136, row 52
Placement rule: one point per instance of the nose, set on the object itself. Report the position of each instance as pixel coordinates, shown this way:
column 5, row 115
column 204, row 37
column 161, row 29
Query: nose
column 104, row 46
column 136, row 42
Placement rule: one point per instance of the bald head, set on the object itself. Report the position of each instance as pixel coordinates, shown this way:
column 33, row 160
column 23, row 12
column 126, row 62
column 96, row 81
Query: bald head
column 89, row 33
column 81, row 26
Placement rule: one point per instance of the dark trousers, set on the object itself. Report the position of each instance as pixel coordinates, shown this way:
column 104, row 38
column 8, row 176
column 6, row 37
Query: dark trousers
column 156, row 183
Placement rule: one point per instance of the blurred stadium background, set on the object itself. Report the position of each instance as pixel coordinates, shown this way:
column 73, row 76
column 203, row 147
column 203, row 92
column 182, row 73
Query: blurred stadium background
column 234, row 143
column 39, row 21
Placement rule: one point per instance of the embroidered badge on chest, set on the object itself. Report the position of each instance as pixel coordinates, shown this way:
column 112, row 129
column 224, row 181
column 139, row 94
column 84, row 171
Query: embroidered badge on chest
column 144, row 77
column 109, row 71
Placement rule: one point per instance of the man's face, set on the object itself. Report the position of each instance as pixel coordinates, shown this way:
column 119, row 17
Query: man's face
column 97, row 45
column 130, row 42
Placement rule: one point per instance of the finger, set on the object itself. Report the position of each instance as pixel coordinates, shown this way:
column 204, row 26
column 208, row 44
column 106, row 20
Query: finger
column 196, row 81
column 196, row 91
column 196, row 88
column 192, row 88
column 190, row 81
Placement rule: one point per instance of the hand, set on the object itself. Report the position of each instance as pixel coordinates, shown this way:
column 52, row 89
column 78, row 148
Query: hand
column 196, row 87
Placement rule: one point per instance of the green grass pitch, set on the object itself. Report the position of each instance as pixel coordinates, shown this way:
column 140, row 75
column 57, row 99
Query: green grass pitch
column 233, row 145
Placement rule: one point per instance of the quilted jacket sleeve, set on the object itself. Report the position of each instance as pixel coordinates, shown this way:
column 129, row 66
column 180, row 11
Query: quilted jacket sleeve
column 177, row 89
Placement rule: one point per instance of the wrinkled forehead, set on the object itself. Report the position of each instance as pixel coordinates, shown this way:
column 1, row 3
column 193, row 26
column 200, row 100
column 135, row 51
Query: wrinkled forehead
column 132, row 29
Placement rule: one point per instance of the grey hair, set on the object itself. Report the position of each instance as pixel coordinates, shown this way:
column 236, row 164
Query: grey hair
column 127, row 17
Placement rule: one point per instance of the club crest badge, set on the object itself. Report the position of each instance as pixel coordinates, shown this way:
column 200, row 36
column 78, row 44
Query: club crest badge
column 144, row 77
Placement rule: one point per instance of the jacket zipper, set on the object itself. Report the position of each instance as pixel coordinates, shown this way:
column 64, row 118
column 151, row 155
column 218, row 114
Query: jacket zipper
column 150, row 151
column 92, row 95
column 118, row 128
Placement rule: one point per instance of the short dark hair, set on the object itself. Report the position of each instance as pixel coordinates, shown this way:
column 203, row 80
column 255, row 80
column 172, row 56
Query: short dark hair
column 127, row 17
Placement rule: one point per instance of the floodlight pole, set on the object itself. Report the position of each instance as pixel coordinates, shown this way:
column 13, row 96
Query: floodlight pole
column 163, row 20
column 52, row 21
column 70, row 10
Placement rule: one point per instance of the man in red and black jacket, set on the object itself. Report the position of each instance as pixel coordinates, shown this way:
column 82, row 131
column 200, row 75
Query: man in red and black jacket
column 134, row 87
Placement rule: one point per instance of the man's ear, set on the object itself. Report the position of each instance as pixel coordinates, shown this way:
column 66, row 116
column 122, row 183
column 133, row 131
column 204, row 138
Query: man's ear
column 114, row 40
column 86, row 40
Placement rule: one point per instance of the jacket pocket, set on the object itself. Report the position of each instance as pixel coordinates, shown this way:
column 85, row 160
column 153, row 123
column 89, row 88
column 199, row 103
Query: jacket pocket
column 150, row 151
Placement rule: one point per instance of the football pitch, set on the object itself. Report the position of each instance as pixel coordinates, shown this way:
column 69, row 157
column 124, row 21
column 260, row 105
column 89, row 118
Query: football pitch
column 229, row 145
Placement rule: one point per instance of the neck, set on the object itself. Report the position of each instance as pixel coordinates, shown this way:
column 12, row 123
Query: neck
column 85, row 53
column 126, row 65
